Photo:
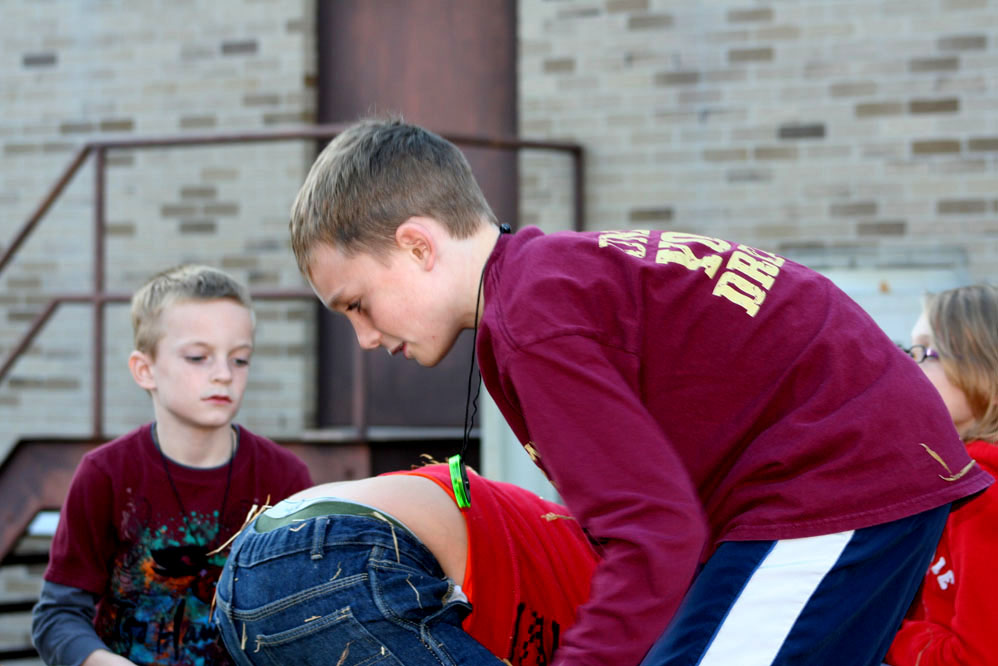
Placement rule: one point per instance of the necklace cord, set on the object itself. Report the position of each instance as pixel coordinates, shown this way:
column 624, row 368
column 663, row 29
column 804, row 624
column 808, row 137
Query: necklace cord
column 458, row 467
column 176, row 493
column 471, row 404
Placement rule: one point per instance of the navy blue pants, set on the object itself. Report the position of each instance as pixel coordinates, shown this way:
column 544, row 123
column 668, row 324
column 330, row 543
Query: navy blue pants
column 830, row 600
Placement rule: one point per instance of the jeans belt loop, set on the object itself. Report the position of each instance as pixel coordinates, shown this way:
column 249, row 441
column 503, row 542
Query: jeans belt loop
column 319, row 537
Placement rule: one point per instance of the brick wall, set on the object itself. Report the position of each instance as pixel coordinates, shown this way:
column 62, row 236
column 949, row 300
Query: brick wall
column 857, row 137
column 71, row 72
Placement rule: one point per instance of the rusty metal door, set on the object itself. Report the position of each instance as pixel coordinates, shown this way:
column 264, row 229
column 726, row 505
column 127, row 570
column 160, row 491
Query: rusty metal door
column 449, row 65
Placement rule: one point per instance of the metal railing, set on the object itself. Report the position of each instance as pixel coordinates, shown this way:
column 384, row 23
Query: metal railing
column 98, row 297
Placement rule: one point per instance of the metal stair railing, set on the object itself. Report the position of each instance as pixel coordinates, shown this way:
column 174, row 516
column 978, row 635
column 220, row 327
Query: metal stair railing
column 98, row 297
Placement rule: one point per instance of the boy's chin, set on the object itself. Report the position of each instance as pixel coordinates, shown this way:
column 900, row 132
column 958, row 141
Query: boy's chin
column 222, row 419
column 426, row 363
column 434, row 357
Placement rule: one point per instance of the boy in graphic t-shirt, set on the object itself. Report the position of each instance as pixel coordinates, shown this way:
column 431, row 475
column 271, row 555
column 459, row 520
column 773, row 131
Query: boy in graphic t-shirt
column 135, row 558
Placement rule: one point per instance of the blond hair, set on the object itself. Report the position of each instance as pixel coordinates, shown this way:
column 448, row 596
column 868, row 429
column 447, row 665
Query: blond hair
column 964, row 324
column 188, row 282
column 374, row 176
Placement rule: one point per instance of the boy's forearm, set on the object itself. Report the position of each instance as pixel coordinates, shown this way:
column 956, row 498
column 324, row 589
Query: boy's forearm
column 62, row 627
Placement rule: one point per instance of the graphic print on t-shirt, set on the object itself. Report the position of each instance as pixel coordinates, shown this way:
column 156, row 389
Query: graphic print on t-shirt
column 156, row 610
column 535, row 638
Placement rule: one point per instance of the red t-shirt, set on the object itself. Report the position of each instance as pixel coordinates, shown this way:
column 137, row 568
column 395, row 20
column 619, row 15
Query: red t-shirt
column 122, row 536
column 529, row 567
column 681, row 391
column 953, row 620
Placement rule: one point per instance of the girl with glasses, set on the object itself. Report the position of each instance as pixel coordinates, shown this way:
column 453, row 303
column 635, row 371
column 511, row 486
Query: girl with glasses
column 952, row 620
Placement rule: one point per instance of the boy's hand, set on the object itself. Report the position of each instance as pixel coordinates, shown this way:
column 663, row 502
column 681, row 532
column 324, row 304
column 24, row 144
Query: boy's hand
column 105, row 658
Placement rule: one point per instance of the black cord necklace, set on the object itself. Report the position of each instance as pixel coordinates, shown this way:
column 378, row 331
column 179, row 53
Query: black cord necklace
column 458, row 468
column 176, row 493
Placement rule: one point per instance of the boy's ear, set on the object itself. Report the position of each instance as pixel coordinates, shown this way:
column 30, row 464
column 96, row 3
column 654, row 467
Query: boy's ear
column 141, row 366
column 416, row 238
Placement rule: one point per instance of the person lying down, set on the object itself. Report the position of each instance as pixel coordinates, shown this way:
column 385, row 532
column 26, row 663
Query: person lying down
column 389, row 567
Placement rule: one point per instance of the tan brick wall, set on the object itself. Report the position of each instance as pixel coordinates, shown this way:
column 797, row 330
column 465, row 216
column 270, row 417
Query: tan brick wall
column 857, row 134
column 75, row 71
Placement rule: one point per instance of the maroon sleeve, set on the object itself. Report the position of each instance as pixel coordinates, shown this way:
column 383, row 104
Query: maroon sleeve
column 605, row 469
column 84, row 542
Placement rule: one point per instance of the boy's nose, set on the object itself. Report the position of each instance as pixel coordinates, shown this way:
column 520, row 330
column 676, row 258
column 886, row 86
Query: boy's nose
column 222, row 372
column 367, row 336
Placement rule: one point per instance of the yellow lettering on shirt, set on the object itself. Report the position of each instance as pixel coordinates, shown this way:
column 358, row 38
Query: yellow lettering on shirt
column 715, row 244
column 740, row 291
column 748, row 275
column 764, row 256
column 762, row 272
column 631, row 242
column 673, row 249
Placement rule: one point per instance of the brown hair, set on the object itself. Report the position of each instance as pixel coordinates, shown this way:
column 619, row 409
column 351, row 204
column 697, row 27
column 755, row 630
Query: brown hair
column 182, row 283
column 964, row 323
column 375, row 175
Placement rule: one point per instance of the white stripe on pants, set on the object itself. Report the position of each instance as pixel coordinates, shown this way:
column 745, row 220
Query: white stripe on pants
column 762, row 616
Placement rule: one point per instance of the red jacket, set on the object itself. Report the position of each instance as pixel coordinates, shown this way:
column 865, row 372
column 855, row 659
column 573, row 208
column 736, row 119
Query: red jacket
column 954, row 618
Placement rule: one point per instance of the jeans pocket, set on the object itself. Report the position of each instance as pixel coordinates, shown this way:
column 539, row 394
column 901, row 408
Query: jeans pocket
column 406, row 595
column 338, row 638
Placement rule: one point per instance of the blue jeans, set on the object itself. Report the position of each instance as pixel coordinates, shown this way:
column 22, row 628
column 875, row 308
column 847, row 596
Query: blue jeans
column 340, row 589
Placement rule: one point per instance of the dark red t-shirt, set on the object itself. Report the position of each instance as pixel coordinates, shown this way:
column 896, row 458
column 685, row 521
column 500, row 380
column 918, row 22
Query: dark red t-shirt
column 122, row 536
column 681, row 390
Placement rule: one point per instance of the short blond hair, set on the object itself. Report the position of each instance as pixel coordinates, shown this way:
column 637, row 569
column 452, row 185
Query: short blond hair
column 189, row 282
column 374, row 176
column 964, row 324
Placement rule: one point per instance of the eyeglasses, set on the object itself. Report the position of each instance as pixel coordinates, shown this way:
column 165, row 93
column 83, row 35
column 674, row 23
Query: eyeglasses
column 919, row 353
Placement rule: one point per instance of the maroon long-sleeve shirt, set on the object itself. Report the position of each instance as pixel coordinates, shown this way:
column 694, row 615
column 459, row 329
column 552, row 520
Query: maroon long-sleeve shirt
column 680, row 391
